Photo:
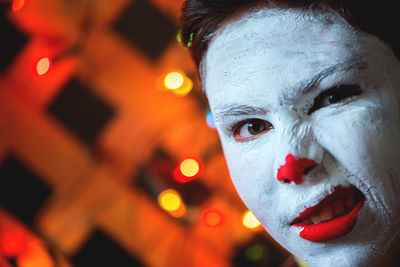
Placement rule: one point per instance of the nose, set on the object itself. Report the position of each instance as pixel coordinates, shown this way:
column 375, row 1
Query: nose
column 294, row 169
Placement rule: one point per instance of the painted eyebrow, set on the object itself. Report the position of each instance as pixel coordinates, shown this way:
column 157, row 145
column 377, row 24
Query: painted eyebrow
column 230, row 110
column 312, row 84
column 304, row 87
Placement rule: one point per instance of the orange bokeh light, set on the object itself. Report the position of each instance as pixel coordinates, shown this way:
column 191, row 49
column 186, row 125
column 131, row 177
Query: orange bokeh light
column 170, row 201
column 173, row 80
column 13, row 243
column 250, row 221
column 212, row 217
column 43, row 66
column 17, row 5
column 188, row 169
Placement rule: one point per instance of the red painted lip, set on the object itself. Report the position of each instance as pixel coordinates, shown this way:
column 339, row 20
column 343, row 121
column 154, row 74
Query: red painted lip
column 337, row 227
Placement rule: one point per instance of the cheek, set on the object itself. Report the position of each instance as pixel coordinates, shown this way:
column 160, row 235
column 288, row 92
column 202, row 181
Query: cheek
column 365, row 141
column 250, row 167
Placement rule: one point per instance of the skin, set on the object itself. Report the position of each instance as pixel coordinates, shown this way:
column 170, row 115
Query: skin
column 255, row 68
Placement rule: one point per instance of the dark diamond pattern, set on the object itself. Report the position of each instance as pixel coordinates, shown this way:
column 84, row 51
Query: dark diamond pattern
column 147, row 28
column 21, row 192
column 100, row 250
column 12, row 40
column 81, row 111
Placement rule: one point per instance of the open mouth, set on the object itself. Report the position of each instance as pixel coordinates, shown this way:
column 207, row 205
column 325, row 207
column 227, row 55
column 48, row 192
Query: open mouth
column 333, row 217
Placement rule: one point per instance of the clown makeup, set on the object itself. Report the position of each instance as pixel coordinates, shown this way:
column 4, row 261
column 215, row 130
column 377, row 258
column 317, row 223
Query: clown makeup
column 307, row 111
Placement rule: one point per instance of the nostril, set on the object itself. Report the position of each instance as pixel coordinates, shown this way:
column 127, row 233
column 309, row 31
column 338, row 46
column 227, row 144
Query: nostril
column 309, row 168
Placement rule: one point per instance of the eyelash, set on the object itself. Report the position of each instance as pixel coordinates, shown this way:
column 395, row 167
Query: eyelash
column 335, row 94
column 235, row 129
column 341, row 92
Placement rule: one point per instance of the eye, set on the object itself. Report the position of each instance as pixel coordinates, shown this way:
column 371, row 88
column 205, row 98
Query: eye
column 334, row 95
column 247, row 130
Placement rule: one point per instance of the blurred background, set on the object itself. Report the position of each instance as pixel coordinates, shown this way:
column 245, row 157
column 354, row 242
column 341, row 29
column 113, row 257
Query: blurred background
column 108, row 152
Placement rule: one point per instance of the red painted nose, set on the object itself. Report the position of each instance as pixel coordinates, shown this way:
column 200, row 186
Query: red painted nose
column 294, row 169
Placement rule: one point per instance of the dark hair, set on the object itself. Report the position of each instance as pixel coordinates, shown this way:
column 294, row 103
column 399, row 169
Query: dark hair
column 201, row 18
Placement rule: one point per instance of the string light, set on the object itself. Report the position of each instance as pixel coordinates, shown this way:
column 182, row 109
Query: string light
column 212, row 217
column 17, row 5
column 190, row 43
column 250, row 221
column 13, row 243
column 170, row 201
column 254, row 252
column 188, row 169
column 173, row 80
column 210, row 120
column 185, row 88
column 43, row 66
column 178, row 83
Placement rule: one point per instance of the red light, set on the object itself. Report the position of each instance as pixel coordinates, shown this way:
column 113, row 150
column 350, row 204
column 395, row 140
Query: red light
column 212, row 218
column 43, row 66
column 17, row 5
column 12, row 243
column 188, row 169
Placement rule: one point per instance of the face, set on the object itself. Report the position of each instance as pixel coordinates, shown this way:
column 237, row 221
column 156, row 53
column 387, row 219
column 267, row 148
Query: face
column 307, row 111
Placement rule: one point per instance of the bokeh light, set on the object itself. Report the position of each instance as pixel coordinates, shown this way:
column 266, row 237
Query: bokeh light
column 210, row 120
column 250, row 221
column 43, row 66
column 173, row 80
column 212, row 218
column 254, row 252
column 185, row 88
column 178, row 83
column 170, row 200
column 12, row 243
column 17, row 5
column 188, row 169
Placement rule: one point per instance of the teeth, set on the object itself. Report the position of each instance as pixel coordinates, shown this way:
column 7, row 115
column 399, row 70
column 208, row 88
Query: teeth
column 315, row 218
column 338, row 207
column 349, row 202
column 326, row 213
column 333, row 210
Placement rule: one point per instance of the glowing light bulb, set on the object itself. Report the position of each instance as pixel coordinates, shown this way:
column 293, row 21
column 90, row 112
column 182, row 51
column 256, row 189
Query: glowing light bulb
column 43, row 66
column 254, row 252
column 212, row 217
column 188, row 169
column 185, row 88
column 13, row 243
column 17, row 5
column 173, row 80
column 210, row 120
column 250, row 221
column 170, row 200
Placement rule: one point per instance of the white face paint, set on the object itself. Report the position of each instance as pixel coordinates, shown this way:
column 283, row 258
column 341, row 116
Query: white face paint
column 257, row 67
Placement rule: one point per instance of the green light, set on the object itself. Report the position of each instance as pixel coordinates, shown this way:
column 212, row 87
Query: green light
column 179, row 37
column 190, row 43
column 254, row 253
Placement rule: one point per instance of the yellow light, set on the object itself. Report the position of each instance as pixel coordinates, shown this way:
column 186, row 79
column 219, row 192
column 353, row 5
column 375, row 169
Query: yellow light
column 43, row 66
column 170, row 200
column 250, row 221
column 185, row 88
column 189, row 167
column 173, row 80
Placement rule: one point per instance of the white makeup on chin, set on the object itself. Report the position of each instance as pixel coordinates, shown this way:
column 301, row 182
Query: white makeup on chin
column 289, row 85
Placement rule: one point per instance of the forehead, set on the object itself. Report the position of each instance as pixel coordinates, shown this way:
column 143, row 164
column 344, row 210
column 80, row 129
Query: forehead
column 275, row 47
